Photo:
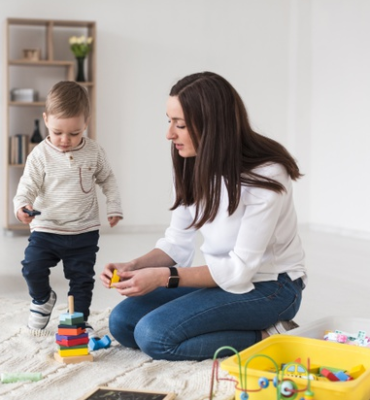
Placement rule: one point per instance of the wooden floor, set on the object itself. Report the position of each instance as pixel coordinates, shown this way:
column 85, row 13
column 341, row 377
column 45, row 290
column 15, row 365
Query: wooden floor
column 338, row 267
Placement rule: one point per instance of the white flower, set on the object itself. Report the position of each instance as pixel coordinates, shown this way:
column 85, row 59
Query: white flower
column 81, row 40
column 73, row 40
column 80, row 46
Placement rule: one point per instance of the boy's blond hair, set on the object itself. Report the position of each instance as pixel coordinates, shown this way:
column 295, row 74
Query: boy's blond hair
column 67, row 99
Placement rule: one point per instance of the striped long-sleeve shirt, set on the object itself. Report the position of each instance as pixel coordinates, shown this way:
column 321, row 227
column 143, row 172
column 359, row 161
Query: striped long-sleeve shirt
column 62, row 185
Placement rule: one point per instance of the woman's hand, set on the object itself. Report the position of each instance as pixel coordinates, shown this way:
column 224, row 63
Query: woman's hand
column 107, row 273
column 135, row 283
column 142, row 281
column 150, row 272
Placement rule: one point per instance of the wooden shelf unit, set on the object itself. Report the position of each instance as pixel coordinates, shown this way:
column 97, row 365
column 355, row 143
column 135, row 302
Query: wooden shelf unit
column 56, row 63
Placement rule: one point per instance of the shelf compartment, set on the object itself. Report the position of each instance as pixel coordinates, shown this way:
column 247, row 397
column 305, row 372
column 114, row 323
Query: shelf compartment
column 26, row 103
column 43, row 63
column 51, row 38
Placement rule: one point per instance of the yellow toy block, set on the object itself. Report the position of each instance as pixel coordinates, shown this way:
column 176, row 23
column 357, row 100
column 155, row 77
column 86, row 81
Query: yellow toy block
column 74, row 359
column 115, row 278
column 314, row 368
column 356, row 371
column 73, row 352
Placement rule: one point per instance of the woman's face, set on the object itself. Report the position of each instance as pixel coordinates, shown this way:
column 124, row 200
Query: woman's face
column 177, row 130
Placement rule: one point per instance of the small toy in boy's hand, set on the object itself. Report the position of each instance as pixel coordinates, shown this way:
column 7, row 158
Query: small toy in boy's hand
column 31, row 213
column 115, row 278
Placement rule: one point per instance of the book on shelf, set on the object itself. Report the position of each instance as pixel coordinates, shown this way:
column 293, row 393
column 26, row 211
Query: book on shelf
column 18, row 149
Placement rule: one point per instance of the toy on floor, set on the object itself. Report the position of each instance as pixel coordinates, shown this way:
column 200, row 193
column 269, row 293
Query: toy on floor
column 97, row 343
column 11, row 377
column 72, row 339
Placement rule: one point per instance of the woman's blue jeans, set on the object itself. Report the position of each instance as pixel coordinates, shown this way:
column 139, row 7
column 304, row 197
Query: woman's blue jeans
column 192, row 324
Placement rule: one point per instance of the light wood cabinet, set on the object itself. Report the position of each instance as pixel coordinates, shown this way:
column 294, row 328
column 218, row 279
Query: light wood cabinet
column 37, row 55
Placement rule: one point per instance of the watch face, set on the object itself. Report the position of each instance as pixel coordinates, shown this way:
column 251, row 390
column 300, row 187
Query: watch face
column 173, row 282
column 173, row 279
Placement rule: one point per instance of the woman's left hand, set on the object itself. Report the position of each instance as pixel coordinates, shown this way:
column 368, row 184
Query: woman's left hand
column 141, row 281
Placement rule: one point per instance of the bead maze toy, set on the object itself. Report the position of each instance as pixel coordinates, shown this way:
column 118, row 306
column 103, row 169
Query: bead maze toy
column 272, row 369
column 285, row 387
column 72, row 339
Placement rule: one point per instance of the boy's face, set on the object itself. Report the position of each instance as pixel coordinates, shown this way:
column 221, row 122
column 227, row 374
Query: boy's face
column 65, row 133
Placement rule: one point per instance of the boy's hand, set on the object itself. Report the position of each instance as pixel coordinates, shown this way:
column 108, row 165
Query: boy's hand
column 24, row 217
column 113, row 221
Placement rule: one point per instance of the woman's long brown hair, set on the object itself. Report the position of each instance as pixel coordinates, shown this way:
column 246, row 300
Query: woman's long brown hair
column 226, row 147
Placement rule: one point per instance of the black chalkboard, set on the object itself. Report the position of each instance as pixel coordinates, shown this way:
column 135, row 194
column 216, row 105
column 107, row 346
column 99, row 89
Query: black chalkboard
column 105, row 393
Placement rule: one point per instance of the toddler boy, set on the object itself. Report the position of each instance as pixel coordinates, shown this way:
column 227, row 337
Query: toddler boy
column 59, row 180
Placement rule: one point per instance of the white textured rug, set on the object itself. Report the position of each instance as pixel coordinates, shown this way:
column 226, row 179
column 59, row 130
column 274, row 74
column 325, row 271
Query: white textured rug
column 115, row 367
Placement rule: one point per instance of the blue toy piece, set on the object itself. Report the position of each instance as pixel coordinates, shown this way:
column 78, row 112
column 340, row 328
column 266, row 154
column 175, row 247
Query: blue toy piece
column 263, row 383
column 342, row 376
column 96, row 343
column 244, row 396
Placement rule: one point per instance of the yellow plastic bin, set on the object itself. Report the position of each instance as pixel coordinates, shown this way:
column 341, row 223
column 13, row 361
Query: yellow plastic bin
column 283, row 349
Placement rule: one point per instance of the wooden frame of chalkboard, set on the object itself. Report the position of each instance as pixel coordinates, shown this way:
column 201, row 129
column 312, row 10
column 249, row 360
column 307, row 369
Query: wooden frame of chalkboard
column 105, row 393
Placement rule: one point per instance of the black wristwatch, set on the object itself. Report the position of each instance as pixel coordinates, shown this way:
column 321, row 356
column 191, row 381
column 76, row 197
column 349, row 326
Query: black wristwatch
column 173, row 279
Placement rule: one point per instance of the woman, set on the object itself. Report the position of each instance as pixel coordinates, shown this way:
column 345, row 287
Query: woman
column 235, row 187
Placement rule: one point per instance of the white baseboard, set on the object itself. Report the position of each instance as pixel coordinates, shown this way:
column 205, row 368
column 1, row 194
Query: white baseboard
column 132, row 229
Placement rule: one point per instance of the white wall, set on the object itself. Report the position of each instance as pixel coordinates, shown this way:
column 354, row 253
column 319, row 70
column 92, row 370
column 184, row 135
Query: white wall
column 299, row 65
column 144, row 47
column 340, row 122
column 157, row 43
column 299, row 100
